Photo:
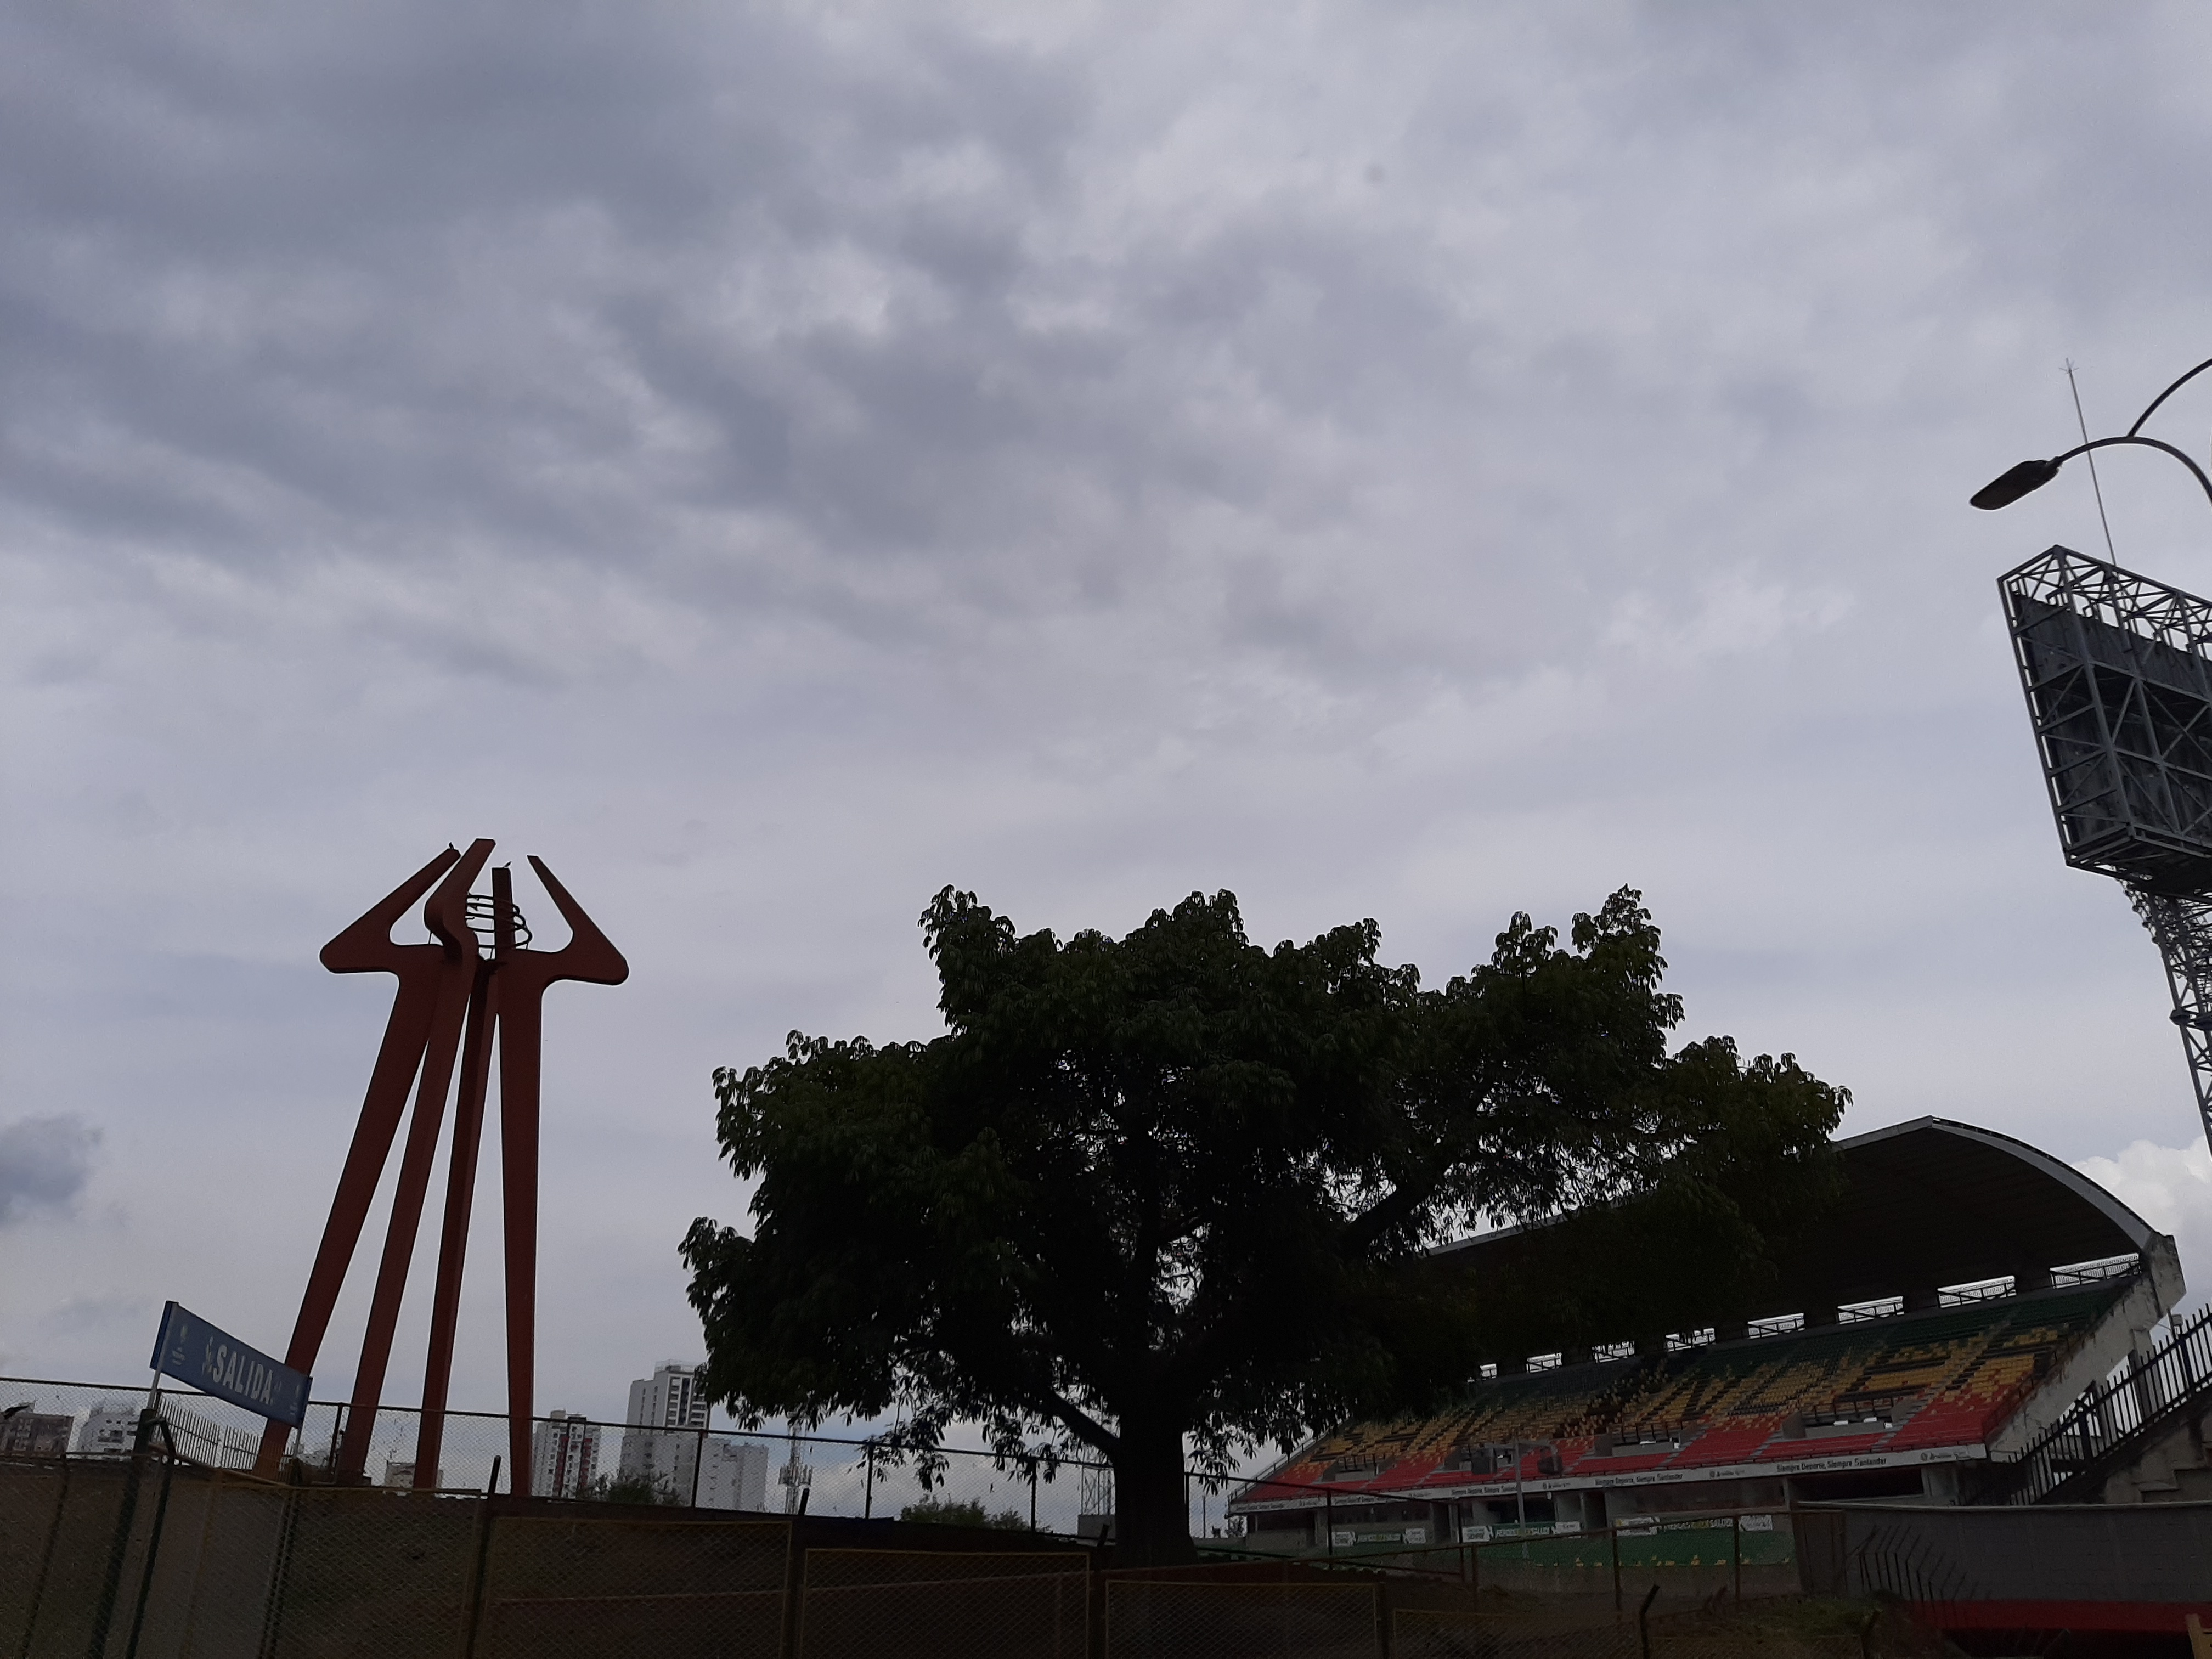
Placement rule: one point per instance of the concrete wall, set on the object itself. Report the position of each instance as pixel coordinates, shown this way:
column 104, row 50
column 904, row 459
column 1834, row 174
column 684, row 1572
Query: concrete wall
column 2138, row 1553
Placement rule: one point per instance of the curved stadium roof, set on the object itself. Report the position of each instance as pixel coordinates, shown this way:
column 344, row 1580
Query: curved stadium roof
column 1927, row 1203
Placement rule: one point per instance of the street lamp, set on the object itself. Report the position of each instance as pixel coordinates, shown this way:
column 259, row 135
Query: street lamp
column 2117, row 672
column 2029, row 476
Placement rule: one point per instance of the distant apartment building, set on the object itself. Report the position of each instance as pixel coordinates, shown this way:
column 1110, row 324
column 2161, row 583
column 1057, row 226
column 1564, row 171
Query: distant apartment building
column 733, row 1476
column 109, row 1429
column 564, row 1456
column 25, row 1432
column 402, row 1473
column 661, row 1441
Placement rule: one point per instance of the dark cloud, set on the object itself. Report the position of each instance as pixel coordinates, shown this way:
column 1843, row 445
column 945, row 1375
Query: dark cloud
column 1400, row 460
column 45, row 1163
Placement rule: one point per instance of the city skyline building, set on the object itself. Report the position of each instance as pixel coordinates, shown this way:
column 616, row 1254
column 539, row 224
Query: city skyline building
column 733, row 1476
column 564, row 1456
column 32, row 1433
column 108, row 1430
column 664, row 1428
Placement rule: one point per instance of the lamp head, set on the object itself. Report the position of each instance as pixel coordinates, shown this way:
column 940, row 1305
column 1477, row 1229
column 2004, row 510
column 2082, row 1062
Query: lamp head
column 2010, row 485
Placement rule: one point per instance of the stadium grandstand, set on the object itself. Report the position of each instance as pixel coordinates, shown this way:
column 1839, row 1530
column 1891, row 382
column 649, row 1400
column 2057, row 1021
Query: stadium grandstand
column 1963, row 1296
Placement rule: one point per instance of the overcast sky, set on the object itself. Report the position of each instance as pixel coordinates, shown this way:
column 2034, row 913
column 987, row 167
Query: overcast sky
column 1416, row 462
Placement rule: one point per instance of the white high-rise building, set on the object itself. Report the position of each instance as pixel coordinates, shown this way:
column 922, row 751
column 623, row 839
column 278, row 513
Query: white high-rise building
column 108, row 1430
column 660, row 1447
column 564, row 1456
column 734, row 1476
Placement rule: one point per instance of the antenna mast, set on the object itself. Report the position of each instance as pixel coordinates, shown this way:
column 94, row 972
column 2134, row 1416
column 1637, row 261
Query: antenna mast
column 2081, row 421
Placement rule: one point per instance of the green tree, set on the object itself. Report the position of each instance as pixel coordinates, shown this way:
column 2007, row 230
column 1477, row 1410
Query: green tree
column 1168, row 1195
column 966, row 1512
column 634, row 1489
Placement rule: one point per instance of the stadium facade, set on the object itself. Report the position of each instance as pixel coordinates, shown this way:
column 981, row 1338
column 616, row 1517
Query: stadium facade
column 1958, row 1319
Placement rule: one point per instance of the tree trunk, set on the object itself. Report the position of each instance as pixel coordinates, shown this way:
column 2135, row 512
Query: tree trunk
column 1151, row 1510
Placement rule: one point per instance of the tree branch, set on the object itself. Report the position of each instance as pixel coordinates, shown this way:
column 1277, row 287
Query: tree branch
column 1394, row 1209
column 1078, row 1422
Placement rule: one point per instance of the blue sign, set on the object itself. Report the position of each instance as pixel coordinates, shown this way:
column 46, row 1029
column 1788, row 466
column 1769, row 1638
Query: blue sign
column 215, row 1362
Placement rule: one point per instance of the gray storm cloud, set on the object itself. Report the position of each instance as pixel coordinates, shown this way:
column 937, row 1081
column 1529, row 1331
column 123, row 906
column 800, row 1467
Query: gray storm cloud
column 45, row 1163
column 773, row 460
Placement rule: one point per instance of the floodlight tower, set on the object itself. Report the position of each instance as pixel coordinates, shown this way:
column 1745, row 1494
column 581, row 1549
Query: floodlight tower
column 2118, row 670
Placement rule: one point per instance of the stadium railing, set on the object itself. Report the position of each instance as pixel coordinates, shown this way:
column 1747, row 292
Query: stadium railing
column 2141, row 1399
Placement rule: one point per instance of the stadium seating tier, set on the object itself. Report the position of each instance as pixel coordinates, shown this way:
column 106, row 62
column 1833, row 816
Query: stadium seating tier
column 1929, row 1379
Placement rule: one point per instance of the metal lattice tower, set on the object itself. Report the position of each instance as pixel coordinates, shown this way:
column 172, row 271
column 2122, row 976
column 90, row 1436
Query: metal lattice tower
column 2183, row 928
column 2118, row 670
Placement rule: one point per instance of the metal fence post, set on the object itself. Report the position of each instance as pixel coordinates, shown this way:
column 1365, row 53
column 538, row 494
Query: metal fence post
column 1328, row 1521
column 1735, row 1550
column 1613, row 1534
column 794, row 1580
column 868, row 1506
column 484, row 1562
column 103, row 1614
column 698, row 1462
column 280, row 1579
column 153, row 1540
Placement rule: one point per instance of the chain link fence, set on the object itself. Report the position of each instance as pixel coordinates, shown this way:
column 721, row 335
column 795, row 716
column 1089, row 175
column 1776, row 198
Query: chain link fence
column 1690, row 1557
column 216, row 1554
column 1425, row 1633
column 390, row 1570
column 859, row 1603
column 58, row 1537
column 575, row 1458
column 180, row 1550
column 1689, row 1560
column 1520, row 1633
column 1168, row 1618
column 147, row 1556
column 561, row 1586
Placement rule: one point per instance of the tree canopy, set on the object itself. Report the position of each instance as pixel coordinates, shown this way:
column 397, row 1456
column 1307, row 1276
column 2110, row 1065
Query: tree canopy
column 1172, row 1191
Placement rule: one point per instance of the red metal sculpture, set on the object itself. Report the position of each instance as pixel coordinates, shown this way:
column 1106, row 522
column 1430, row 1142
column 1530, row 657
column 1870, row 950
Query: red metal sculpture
column 454, row 1001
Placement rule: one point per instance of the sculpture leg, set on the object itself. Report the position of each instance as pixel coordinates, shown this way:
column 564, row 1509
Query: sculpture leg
column 366, row 946
column 453, row 1241
column 455, row 983
column 519, row 1030
column 404, row 1037
column 525, row 974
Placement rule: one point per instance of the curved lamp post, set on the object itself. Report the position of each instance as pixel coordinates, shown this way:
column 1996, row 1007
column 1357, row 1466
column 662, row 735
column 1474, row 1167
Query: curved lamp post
column 2013, row 483
column 2118, row 670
